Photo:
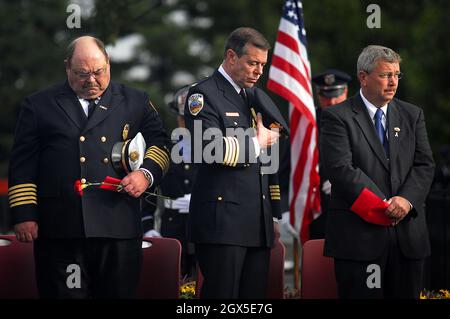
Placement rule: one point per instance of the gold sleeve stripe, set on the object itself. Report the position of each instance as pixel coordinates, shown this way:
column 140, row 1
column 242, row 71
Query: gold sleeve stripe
column 21, row 186
column 274, row 192
column 23, row 203
column 236, row 153
column 158, row 160
column 22, row 194
column 154, row 150
column 232, row 151
column 225, row 157
column 275, row 197
column 12, row 201
column 274, row 186
column 21, row 190
column 161, row 152
column 158, row 156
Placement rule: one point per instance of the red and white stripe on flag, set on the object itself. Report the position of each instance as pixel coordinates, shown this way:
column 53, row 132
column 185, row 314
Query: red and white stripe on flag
column 290, row 77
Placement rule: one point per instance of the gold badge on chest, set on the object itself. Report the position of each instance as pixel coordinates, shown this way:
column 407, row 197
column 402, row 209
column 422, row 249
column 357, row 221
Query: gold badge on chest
column 126, row 129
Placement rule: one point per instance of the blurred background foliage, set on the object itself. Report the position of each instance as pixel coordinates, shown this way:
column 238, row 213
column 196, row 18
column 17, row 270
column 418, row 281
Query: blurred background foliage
column 161, row 45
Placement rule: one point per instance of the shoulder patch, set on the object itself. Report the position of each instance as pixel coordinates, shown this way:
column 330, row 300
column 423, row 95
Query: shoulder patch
column 195, row 103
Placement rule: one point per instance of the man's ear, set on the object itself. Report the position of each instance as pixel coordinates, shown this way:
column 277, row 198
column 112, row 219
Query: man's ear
column 362, row 77
column 231, row 56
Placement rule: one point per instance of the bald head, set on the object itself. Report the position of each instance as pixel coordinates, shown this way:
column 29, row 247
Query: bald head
column 86, row 45
column 87, row 67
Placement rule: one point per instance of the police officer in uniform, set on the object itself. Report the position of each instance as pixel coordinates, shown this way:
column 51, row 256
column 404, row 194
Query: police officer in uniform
column 67, row 133
column 331, row 88
column 234, row 206
column 177, row 185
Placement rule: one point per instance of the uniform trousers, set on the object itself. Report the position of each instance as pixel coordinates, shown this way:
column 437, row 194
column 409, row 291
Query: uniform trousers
column 88, row 267
column 232, row 272
column 399, row 277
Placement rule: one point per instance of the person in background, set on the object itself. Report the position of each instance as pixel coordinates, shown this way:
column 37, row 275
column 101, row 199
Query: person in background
column 178, row 186
column 331, row 88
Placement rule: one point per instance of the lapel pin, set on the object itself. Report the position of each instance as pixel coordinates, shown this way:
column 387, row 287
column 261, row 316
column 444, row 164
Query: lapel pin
column 396, row 130
column 103, row 107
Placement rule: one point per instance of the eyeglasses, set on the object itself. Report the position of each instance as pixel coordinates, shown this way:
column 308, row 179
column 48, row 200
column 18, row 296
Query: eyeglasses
column 388, row 75
column 87, row 75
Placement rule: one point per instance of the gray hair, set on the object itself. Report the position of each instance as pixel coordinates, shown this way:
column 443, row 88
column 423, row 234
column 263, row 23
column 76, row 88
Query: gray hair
column 241, row 36
column 371, row 54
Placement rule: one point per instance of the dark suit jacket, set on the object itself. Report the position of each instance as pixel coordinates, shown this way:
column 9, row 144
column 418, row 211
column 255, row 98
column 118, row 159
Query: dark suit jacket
column 353, row 158
column 232, row 203
column 52, row 134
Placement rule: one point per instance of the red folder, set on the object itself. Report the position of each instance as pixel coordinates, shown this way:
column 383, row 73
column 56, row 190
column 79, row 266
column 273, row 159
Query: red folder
column 110, row 183
column 371, row 208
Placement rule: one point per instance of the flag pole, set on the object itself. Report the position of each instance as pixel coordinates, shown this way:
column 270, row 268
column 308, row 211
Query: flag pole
column 290, row 77
column 296, row 266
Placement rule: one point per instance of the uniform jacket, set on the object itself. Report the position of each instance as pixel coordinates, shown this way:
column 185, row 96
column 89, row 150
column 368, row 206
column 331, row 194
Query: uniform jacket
column 177, row 183
column 353, row 158
column 178, row 180
column 233, row 201
column 55, row 145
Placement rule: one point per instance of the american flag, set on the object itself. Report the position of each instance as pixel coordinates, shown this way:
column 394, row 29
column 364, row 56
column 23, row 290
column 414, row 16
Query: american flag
column 290, row 77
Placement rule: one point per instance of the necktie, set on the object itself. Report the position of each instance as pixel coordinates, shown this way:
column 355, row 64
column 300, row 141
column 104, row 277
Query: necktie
column 380, row 130
column 243, row 96
column 91, row 107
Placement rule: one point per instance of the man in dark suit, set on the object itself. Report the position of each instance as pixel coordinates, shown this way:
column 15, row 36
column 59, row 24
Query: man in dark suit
column 234, row 206
column 88, row 246
column 377, row 142
column 331, row 88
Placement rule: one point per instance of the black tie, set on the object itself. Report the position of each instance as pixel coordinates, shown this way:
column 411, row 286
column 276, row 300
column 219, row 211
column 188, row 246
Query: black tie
column 91, row 107
column 243, row 96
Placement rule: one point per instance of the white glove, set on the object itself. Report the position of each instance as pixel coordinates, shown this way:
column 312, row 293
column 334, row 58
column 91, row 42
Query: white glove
column 152, row 233
column 286, row 225
column 182, row 204
column 326, row 187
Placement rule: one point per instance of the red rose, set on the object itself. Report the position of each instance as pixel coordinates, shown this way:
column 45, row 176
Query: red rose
column 78, row 187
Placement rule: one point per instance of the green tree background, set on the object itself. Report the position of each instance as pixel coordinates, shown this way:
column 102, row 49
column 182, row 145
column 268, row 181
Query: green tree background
column 181, row 41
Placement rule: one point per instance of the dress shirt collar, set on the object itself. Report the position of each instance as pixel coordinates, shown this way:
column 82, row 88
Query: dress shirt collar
column 372, row 108
column 229, row 79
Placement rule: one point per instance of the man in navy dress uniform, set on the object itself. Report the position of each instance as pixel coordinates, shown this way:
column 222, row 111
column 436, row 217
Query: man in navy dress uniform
column 235, row 202
column 66, row 133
